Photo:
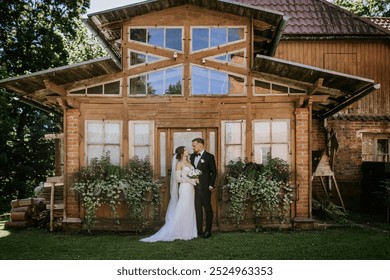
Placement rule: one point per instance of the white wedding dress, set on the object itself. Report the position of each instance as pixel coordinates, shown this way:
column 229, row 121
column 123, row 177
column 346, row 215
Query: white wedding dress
column 180, row 221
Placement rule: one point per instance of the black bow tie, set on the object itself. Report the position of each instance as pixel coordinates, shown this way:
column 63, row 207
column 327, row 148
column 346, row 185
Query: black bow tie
column 198, row 155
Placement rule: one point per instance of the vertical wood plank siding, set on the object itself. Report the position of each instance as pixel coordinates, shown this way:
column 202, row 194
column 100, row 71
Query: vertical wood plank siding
column 372, row 62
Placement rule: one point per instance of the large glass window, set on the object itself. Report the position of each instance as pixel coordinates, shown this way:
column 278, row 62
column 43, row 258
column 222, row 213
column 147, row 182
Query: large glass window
column 103, row 137
column 210, row 81
column 266, row 88
column 112, row 88
column 271, row 137
column 163, row 37
column 166, row 81
column 141, row 139
column 210, row 37
column 233, row 141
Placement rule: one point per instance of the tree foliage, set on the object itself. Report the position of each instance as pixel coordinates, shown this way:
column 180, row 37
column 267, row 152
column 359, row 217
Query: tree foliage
column 34, row 35
column 372, row 8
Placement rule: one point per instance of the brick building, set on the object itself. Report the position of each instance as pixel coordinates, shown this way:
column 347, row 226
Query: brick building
column 250, row 77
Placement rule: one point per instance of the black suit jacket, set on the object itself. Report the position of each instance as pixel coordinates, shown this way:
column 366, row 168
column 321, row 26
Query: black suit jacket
column 208, row 167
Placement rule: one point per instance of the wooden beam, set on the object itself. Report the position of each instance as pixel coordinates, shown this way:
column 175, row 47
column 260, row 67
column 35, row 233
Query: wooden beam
column 316, row 86
column 55, row 88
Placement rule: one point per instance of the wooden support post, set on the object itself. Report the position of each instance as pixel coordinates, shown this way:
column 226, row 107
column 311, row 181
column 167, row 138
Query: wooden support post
column 52, row 207
column 323, row 186
column 338, row 193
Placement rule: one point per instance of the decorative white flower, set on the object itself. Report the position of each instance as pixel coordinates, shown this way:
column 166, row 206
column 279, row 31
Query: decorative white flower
column 202, row 160
column 194, row 173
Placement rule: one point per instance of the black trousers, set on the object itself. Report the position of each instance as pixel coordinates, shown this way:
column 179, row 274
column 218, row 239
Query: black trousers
column 203, row 202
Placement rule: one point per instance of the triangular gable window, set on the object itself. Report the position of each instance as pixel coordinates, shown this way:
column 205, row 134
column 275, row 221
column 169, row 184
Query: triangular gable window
column 237, row 58
column 140, row 58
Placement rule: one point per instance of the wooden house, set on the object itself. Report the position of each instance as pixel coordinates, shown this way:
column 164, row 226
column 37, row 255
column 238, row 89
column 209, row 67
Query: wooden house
column 250, row 77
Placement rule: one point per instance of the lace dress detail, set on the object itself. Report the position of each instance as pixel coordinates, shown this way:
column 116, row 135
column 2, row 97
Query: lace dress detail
column 183, row 224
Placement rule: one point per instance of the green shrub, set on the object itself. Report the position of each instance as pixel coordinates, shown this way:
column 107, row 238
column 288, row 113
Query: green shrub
column 265, row 187
column 104, row 183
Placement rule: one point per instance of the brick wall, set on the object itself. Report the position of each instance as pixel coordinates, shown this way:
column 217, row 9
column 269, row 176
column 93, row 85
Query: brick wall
column 348, row 160
column 72, row 159
column 303, row 207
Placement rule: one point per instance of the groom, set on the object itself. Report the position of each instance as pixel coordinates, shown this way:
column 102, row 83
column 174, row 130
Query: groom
column 205, row 162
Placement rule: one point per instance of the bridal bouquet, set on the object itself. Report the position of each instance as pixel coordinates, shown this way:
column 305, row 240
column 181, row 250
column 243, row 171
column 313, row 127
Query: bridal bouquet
column 194, row 173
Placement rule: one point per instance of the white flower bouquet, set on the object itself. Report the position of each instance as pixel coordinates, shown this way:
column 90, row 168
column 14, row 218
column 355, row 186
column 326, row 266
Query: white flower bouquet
column 194, row 173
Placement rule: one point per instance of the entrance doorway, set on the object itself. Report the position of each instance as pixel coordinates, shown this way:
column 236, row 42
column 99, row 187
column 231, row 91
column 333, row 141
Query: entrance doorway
column 171, row 138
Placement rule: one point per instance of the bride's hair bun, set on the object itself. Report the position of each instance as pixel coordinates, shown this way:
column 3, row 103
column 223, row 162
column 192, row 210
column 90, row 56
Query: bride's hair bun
column 179, row 152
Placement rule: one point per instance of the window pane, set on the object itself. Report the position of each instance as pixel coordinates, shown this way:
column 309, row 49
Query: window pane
column 236, row 85
column 163, row 155
column 237, row 58
column 79, row 91
column 112, row 88
column 173, row 78
column 218, row 82
column 95, row 90
column 262, row 87
column 280, row 131
column 156, row 37
column 174, row 38
column 200, row 38
column 137, row 85
column 94, row 133
column 261, row 152
column 152, row 58
column 295, row 90
column 137, row 58
column 141, row 134
column 280, row 151
column 94, row 151
column 212, row 143
column 233, row 153
column 382, row 146
column 156, row 83
column 262, row 132
column 233, row 133
column 235, row 34
column 222, row 58
column 138, row 35
column 217, row 36
column 141, row 152
column 279, row 89
column 200, row 80
column 112, row 133
column 114, row 153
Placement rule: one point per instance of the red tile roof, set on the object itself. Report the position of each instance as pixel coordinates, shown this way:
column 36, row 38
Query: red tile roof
column 319, row 18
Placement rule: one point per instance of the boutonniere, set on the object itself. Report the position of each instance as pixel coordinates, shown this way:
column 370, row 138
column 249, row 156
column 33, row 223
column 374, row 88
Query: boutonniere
column 202, row 160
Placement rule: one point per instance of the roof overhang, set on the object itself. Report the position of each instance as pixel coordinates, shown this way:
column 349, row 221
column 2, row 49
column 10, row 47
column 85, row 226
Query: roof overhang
column 268, row 25
column 38, row 88
column 342, row 89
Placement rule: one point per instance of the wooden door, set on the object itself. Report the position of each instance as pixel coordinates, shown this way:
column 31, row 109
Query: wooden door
column 168, row 140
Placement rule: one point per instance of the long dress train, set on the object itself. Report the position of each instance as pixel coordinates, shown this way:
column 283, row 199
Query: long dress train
column 182, row 224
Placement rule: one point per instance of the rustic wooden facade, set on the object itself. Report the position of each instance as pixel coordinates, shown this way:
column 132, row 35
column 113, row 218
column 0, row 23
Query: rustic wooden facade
column 157, row 92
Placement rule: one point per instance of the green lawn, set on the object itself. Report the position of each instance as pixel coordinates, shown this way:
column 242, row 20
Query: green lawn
column 339, row 243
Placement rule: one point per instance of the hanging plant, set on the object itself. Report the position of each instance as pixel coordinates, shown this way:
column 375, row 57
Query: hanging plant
column 104, row 183
column 266, row 187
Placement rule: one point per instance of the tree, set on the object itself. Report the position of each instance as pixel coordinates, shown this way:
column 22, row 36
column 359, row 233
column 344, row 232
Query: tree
column 372, row 8
column 34, row 35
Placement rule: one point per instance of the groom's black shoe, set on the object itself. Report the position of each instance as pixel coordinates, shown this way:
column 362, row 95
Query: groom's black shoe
column 207, row 234
column 200, row 234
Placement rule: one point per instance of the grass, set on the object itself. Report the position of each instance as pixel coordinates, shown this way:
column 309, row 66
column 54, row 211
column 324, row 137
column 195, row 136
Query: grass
column 347, row 242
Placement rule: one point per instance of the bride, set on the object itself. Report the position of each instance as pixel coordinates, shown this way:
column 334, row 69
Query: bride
column 180, row 220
